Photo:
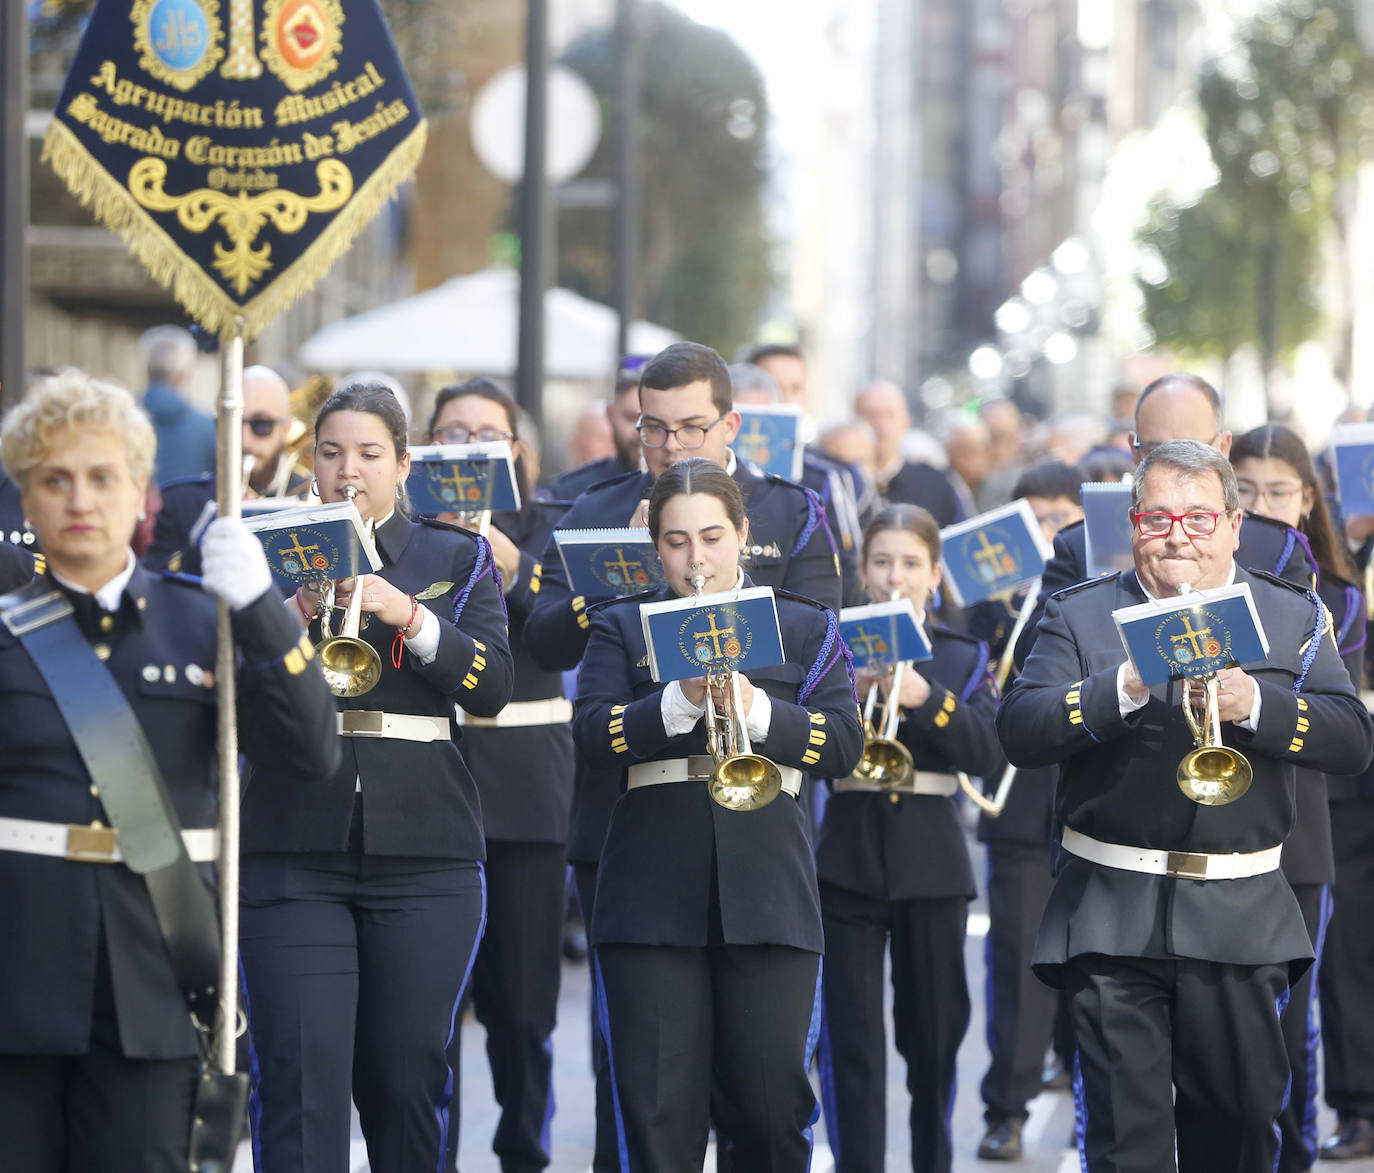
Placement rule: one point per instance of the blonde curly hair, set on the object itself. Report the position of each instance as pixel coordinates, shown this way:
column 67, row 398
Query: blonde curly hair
column 72, row 399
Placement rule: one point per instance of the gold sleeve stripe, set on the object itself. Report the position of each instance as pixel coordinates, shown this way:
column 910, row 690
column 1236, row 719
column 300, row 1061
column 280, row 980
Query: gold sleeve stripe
column 818, row 737
column 619, row 708
column 579, row 603
column 949, row 702
column 941, row 720
column 810, row 757
column 1302, row 704
column 469, row 681
column 619, row 745
column 617, row 726
column 816, row 718
column 1073, row 698
column 1296, row 746
column 479, row 645
column 1302, row 724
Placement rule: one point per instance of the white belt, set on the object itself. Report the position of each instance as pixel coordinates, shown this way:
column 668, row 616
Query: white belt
column 1182, row 865
column 400, row 726
column 696, row 768
column 556, row 710
column 921, row 782
column 90, row 844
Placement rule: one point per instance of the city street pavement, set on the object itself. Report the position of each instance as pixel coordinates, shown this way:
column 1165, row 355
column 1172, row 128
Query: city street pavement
column 1046, row 1134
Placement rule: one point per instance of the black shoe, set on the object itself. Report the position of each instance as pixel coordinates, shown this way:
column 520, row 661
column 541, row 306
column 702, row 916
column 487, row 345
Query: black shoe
column 1354, row 1139
column 1056, row 1077
column 1002, row 1142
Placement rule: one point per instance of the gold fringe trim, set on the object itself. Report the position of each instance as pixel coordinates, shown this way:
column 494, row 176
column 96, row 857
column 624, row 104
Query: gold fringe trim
column 170, row 266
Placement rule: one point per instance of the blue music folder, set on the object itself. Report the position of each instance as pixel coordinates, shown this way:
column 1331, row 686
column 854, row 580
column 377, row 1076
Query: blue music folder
column 314, row 543
column 732, row 631
column 1193, row 635
column 1107, row 527
column 462, row 478
column 992, row 553
column 770, row 438
column 881, row 634
column 609, row 563
column 1352, row 458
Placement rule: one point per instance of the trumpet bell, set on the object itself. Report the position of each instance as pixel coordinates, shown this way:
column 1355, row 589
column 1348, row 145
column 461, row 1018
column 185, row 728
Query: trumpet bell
column 745, row 782
column 351, row 666
column 886, row 763
column 1214, row 775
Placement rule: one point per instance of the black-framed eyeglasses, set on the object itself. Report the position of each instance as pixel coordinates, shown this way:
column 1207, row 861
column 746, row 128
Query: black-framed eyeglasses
column 689, row 436
column 455, row 434
column 262, row 425
column 1161, row 525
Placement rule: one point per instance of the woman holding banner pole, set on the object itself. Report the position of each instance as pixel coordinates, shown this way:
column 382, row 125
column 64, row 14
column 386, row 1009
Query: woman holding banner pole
column 706, row 930
column 107, row 752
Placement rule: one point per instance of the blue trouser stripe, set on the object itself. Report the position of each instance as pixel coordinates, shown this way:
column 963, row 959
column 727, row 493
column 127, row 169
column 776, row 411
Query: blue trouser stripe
column 814, row 1030
column 254, row 1077
column 446, row 1097
column 1080, row 1113
column 603, row 1013
column 1280, row 1005
column 1310, row 1135
column 826, row 1067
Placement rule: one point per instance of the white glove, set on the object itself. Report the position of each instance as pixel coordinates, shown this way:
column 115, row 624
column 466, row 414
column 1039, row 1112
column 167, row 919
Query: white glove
column 233, row 566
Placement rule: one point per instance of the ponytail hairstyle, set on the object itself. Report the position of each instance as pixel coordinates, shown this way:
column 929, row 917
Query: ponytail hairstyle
column 1276, row 442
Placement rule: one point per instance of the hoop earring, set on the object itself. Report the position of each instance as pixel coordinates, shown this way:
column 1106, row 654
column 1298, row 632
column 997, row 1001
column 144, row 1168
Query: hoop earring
column 400, row 492
column 315, row 486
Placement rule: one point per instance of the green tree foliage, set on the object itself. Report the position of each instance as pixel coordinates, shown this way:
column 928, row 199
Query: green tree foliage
column 706, row 263
column 1288, row 114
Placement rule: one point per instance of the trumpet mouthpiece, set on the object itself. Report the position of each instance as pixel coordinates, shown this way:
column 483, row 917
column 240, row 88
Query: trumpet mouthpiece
column 350, row 492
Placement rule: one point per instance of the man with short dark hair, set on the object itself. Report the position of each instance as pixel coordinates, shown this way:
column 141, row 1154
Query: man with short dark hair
column 1171, row 926
column 686, row 410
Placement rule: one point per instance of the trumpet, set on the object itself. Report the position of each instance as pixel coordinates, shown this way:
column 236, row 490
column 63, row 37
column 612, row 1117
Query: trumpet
column 995, row 805
column 351, row 665
column 1209, row 774
column 741, row 780
column 886, row 762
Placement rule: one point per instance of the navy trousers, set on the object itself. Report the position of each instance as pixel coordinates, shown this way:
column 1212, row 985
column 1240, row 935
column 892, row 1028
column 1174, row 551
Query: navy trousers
column 1348, row 964
column 514, row 992
column 354, row 967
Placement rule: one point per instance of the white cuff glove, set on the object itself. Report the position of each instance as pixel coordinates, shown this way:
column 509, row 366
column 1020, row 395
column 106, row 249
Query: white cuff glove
column 233, row 566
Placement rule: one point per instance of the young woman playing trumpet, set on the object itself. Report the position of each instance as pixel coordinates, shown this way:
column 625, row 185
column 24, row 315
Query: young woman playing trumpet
column 707, row 930
column 895, row 873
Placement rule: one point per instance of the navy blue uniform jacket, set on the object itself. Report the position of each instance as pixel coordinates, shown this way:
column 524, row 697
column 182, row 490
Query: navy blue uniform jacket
column 160, row 648
column 913, row 847
column 790, row 548
column 1117, row 780
column 571, row 483
column 525, row 773
column 668, row 844
column 419, row 798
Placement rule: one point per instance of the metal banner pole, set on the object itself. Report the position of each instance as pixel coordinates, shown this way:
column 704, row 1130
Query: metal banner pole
column 229, row 489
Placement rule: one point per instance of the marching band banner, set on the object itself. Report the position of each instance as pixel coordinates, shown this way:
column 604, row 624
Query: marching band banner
column 238, row 146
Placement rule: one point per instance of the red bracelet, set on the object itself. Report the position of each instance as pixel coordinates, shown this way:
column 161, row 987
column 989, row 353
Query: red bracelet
column 301, row 607
column 401, row 633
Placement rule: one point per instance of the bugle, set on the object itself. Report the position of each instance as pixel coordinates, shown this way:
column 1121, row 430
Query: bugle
column 741, row 780
column 350, row 664
column 886, row 762
column 994, row 806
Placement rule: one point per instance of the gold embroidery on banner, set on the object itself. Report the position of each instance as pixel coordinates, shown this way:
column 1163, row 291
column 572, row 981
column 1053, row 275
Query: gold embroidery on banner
column 301, row 40
column 242, row 216
column 242, row 63
column 181, row 49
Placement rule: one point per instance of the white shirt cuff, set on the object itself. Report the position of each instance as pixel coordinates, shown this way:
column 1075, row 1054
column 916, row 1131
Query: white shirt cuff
column 679, row 714
column 424, row 644
column 760, row 717
column 1251, row 723
column 1126, row 703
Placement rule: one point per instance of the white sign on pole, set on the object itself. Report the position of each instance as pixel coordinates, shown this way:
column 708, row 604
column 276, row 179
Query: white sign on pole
column 498, row 124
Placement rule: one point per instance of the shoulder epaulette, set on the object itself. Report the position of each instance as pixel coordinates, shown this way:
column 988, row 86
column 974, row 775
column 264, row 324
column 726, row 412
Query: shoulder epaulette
column 434, row 523
column 779, row 593
column 199, row 478
column 1087, row 584
column 1296, row 588
column 602, row 604
column 949, row 633
column 615, row 480
column 772, row 476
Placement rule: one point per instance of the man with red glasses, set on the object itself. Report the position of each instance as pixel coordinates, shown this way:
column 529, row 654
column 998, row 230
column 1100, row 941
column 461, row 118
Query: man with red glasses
column 1179, row 406
column 1170, row 927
